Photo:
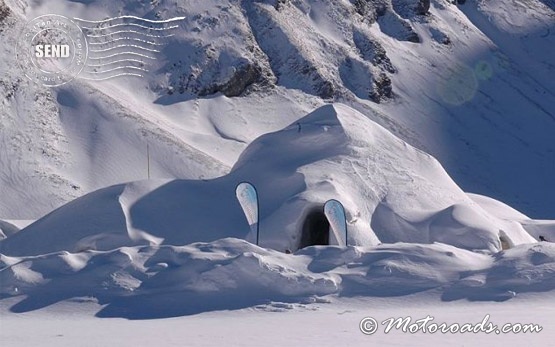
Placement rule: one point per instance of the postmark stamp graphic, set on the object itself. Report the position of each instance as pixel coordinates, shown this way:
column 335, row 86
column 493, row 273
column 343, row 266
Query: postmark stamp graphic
column 52, row 50
column 124, row 45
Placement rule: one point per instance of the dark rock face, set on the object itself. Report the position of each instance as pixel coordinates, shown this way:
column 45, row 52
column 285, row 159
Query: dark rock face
column 423, row 7
column 9, row 88
column 366, row 8
column 270, row 53
column 209, row 79
column 361, row 7
column 395, row 26
column 291, row 65
column 277, row 4
column 440, row 37
column 410, row 8
column 381, row 89
column 244, row 76
column 372, row 51
column 4, row 14
column 326, row 90
column 413, row 37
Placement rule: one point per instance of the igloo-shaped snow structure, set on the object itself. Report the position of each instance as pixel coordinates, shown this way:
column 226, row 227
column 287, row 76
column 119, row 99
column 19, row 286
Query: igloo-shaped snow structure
column 391, row 191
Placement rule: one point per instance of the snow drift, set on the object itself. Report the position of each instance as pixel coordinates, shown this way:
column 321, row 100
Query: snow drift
column 226, row 103
column 153, row 249
column 146, row 282
column 391, row 191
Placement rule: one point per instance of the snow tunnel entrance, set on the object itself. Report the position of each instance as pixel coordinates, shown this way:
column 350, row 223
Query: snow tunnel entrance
column 316, row 230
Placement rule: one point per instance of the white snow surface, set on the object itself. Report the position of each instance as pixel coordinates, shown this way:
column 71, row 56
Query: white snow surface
column 145, row 282
column 283, row 324
column 391, row 191
column 158, row 249
column 481, row 102
column 82, row 229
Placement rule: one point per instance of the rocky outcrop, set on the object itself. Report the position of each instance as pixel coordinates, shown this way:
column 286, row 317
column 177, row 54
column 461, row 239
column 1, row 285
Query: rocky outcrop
column 393, row 25
column 5, row 13
column 277, row 4
column 440, row 37
column 214, row 77
column 372, row 51
column 381, row 89
column 279, row 43
column 243, row 77
column 367, row 9
column 410, row 8
column 284, row 49
column 8, row 88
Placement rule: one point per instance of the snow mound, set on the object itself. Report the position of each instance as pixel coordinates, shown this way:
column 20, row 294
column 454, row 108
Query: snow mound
column 7, row 229
column 497, row 208
column 536, row 228
column 391, row 191
column 165, row 281
column 539, row 228
column 525, row 268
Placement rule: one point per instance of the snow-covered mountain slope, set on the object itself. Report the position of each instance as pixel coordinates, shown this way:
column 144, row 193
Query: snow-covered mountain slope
column 309, row 100
column 471, row 84
column 391, row 191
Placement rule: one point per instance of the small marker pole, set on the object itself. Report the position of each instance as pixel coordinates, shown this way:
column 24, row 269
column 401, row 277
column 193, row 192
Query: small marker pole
column 147, row 160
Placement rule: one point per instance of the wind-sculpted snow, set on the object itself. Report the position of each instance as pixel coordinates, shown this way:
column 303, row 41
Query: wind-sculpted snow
column 469, row 83
column 308, row 100
column 526, row 268
column 154, row 249
column 391, row 192
column 165, row 281
column 7, row 229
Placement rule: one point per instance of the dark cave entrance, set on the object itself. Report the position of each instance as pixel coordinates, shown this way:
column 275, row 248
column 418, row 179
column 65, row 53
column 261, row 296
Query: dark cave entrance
column 316, row 229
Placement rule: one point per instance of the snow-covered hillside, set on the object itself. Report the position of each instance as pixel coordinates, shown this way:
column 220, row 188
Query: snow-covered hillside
column 432, row 123
column 391, row 191
column 471, row 84
column 170, row 248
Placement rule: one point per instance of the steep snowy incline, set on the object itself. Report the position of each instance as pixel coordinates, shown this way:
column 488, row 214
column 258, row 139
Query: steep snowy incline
column 480, row 93
column 392, row 192
column 471, row 84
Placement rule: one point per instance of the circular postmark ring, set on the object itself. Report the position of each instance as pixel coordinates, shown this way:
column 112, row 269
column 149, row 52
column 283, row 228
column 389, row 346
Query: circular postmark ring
column 51, row 50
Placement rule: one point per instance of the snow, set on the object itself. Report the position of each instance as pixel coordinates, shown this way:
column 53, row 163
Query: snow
column 90, row 135
column 161, row 249
column 391, row 192
column 497, row 208
column 146, row 282
column 234, row 291
column 92, row 252
column 279, row 325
